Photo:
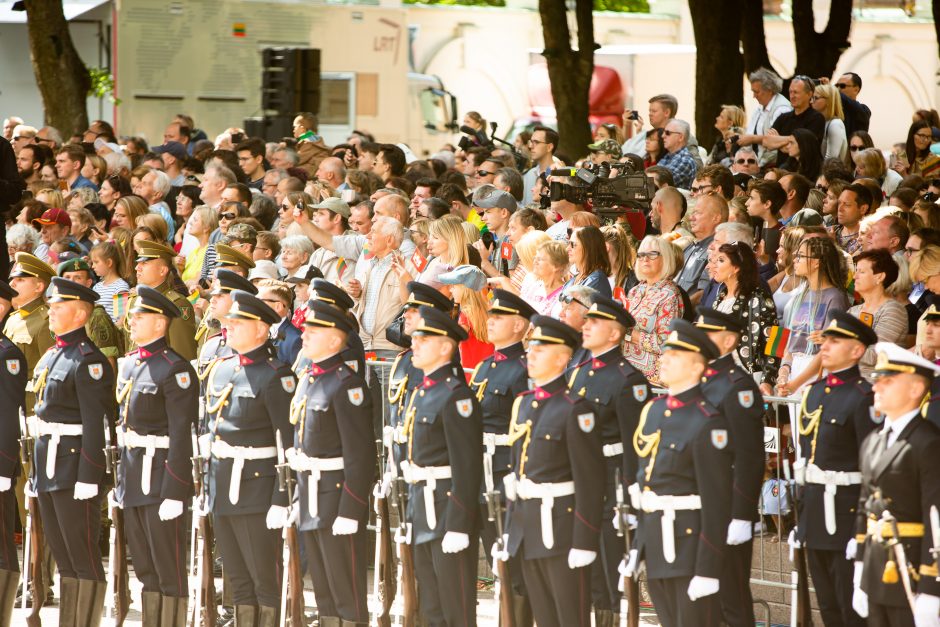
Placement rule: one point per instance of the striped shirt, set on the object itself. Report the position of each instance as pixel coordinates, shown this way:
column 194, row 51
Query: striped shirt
column 106, row 292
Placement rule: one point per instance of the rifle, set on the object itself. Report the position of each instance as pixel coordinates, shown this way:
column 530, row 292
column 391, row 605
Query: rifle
column 895, row 546
column 494, row 513
column 384, row 577
column 117, row 581
column 409, row 593
column 800, row 609
column 202, row 583
column 293, row 581
column 33, row 542
column 631, row 586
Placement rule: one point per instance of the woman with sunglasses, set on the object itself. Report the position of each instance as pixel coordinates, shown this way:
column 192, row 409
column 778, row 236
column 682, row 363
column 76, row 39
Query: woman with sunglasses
column 741, row 294
column 654, row 303
column 587, row 253
column 858, row 141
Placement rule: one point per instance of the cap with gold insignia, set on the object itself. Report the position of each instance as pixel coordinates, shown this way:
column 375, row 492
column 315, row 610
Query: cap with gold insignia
column 321, row 314
column 604, row 308
column 323, row 290
column 844, row 324
column 892, row 360
column 65, row 291
column 148, row 249
column 685, row 336
column 550, row 331
column 31, row 266
column 505, row 303
column 6, row 292
column 228, row 256
column 152, row 301
column 76, row 264
column 932, row 315
column 228, row 281
column 435, row 322
column 249, row 307
column 421, row 295
column 713, row 320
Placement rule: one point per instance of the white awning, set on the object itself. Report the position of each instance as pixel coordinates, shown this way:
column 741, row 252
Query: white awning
column 72, row 10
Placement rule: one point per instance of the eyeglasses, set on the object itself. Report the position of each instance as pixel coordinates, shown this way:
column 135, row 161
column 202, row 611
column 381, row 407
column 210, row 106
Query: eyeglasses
column 923, row 136
column 822, row 188
column 842, row 85
column 651, row 255
column 701, row 189
column 535, row 142
column 747, row 161
column 567, row 299
column 930, row 197
column 40, row 140
column 573, row 243
column 485, row 173
column 228, row 216
column 668, row 133
column 910, row 251
column 799, row 256
column 817, row 97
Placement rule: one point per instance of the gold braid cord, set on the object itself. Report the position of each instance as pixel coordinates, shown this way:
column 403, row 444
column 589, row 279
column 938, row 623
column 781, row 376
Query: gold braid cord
column 646, row 445
column 517, row 431
column 812, row 426
column 396, row 395
column 480, row 386
column 216, row 408
column 122, row 395
column 409, row 424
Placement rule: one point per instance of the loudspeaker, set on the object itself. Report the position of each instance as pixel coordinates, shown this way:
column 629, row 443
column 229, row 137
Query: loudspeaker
column 271, row 129
column 290, row 80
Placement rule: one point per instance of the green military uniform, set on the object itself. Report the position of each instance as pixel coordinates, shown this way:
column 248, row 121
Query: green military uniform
column 99, row 328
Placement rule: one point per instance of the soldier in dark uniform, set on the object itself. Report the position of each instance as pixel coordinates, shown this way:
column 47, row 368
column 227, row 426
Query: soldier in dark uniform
column 353, row 354
column 576, row 301
column 729, row 388
column 155, row 269
column 900, row 483
column 497, row 381
column 444, row 467
column 100, row 328
column 617, row 391
column 835, row 418
column 74, row 404
column 157, row 396
column 684, row 486
column 12, row 402
column 335, row 465
column 28, row 326
column 557, row 486
column 931, row 409
column 248, row 400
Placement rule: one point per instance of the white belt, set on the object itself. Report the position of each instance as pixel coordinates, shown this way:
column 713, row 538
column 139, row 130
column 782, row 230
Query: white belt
column 132, row 439
column 669, row 504
column 430, row 475
column 223, row 450
column 389, row 441
column 811, row 473
column 300, row 462
column 55, row 431
column 612, row 450
column 547, row 493
column 490, row 442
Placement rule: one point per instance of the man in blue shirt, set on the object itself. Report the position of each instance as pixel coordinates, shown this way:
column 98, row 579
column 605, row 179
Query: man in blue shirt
column 68, row 166
column 677, row 159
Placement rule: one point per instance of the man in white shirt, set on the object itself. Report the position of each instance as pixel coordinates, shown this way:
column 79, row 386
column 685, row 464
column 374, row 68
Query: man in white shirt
column 766, row 87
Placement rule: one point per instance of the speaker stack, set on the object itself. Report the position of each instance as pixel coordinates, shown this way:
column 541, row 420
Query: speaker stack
column 290, row 84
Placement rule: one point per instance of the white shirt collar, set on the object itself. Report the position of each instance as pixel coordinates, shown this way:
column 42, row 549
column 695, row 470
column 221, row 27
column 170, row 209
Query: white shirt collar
column 896, row 427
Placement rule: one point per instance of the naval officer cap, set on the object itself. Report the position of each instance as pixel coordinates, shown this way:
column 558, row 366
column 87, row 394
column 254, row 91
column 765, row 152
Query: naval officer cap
column 685, row 336
column 549, row 331
column 709, row 319
column 844, row 324
column 506, row 303
column 64, row 291
column 436, row 323
column 604, row 308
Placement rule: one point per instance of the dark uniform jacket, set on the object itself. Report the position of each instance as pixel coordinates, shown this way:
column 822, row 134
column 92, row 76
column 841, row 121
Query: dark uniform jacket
column 332, row 415
column 932, row 410
column 846, row 420
column 446, row 430
column 904, row 478
column 28, row 328
column 287, row 341
column 353, row 354
column 215, row 347
column 256, row 405
column 74, row 384
column 403, row 378
column 617, row 391
column 496, row 381
column 693, row 456
column 160, row 397
column 556, row 441
column 730, row 389
column 12, row 401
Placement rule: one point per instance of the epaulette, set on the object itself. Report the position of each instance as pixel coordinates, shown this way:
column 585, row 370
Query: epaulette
column 707, row 408
column 736, row 374
column 864, row 386
column 571, row 398
column 455, row 382
column 170, row 356
column 5, row 342
column 86, row 348
column 343, row 372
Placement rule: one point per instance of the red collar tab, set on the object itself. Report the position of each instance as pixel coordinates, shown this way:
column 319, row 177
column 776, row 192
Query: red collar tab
column 244, row 361
column 597, row 364
column 428, row 382
column 673, row 403
column 541, row 394
column 498, row 356
column 834, row 380
column 143, row 353
column 710, row 372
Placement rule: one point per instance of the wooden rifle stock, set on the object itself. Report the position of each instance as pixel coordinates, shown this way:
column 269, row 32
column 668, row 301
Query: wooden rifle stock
column 386, row 565
column 494, row 509
column 34, row 541
column 118, row 567
column 409, row 592
column 204, row 609
column 631, row 587
column 295, row 578
column 804, row 612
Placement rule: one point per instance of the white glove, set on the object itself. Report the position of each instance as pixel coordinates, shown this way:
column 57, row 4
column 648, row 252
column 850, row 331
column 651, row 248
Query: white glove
column 205, row 442
column 170, row 509
column 403, row 538
column 701, row 587
column 455, row 542
column 345, row 526
column 628, row 565
column 859, row 596
column 501, row 556
column 926, row 610
column 5, row 484
column 28, row 490
column 851, row 549
column 739, row 531
column 631, row 521
column 112, row 500
column 509, row 484
column 277, row 517
column 84, row 491
column 201, row 507
column 793, row 542
column 579, row 558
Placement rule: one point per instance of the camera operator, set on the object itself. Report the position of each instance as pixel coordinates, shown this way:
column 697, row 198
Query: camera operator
column 606, row 150
column 542, row 146
column 564, row 207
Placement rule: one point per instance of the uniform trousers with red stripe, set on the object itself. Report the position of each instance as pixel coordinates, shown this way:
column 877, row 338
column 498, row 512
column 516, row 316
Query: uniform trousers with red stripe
column 447, row 583
column 158, row 549
column 337, row 566
column 674, row 608
column 72, row 528
column 560, row 596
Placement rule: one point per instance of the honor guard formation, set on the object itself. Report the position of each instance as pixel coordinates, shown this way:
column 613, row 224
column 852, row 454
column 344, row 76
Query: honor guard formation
column 250, row 384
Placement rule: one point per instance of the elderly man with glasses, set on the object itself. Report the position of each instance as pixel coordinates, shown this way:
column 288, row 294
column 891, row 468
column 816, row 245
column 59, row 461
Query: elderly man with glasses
column 802, row 116
column 678, row 159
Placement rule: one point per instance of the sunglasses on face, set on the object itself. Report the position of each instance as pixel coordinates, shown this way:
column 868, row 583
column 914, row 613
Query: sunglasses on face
column 842, row 85
column 567, row 299
column 745, row 161
column 651, row 255
column 485, row 173
column 228, row 216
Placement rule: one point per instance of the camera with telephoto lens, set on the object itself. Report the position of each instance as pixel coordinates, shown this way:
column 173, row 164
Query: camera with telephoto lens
column 613, row 188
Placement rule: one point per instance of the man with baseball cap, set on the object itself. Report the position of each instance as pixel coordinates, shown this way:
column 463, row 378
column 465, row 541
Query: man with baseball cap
column 606, row 150
column 74, row 386
column 174, row 156
column 155, row 269
column 332, row 215
column 54, row 224
column 496, row 207
column 900, row 489
column 158, row 395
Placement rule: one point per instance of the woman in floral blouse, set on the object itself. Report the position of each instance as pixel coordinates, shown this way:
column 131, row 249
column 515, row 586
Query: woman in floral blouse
column 654, row 303
column 741, row 294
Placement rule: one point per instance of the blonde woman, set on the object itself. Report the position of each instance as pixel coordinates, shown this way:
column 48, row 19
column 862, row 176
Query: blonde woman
column 550, row 268
column 654, row 303
column 51, row 197
column 870, row 163
column 827, row 100
column 126, row 211
column 730, row 121
column 200, row 225
column 522, row 278
column 446, row 248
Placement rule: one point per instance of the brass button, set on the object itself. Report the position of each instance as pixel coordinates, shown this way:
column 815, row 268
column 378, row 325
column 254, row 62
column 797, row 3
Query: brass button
column 590, row 373
column 311, row 379
column 448, row 379
column 535, row 404
column 421, row 393
column 704, row 379
column 548, row 436
column 448, row 492
column 672, row 446
column 424, row 420
column 528, row 422
column 569, row 510
column 833, row 421
column 493, row 365
column 667, row 413
column 828, row 390
column 257, row 474
column 338, row 485
column 688, row 531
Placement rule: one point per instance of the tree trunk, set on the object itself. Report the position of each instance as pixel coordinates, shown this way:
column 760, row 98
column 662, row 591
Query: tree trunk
column 935, row 5
column 818, row 53
column 753, row 40
column 61, row 75
column 719, row 64
column 569, row 72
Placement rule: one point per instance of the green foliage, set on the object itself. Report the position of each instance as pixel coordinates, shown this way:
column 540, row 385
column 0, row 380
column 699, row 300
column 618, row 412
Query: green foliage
column 102, row 84
column 622, row 6
column 463, row 3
